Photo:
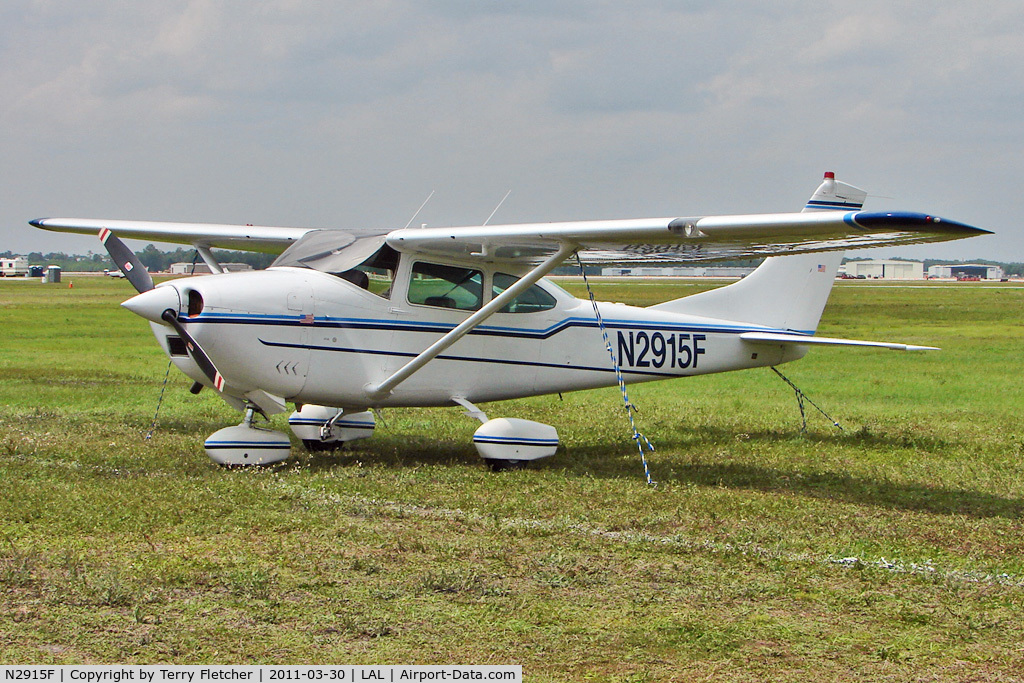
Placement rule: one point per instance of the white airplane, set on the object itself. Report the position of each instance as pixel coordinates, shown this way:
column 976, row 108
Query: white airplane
column 344, row 322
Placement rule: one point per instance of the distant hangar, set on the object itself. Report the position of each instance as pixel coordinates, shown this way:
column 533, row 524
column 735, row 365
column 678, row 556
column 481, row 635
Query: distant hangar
column 866, row 269
column 880, row 269
column 979, row 271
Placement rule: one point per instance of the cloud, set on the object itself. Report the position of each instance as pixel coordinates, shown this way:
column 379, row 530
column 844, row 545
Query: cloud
column 298, row 112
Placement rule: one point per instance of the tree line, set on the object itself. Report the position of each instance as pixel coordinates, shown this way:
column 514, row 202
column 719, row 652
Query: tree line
column 156, row 260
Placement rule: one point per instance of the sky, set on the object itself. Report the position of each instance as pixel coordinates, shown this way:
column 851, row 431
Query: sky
column 349, row 114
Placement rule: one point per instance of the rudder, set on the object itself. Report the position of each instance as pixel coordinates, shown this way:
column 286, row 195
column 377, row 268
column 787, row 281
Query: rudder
column 784, row 292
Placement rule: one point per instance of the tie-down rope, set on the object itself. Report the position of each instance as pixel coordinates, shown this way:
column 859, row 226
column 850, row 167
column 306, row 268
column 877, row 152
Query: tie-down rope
column 638, row 438
column 800, row 398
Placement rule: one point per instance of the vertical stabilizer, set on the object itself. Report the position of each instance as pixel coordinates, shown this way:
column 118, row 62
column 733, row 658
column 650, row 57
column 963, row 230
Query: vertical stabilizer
column 784, row 292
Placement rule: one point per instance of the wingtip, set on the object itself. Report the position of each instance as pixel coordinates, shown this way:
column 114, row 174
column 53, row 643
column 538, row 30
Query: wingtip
column 916, row 221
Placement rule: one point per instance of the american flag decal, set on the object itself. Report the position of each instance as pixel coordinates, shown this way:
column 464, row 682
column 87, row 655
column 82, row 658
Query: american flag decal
column 821, row 268
column 307, row 319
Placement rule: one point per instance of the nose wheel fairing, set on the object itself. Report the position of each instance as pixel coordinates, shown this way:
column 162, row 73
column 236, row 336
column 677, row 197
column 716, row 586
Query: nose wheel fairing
column 246, row 444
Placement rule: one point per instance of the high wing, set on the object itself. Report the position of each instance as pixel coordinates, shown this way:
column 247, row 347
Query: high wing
column 694, row 239
column 704, row 238
column 262, row 238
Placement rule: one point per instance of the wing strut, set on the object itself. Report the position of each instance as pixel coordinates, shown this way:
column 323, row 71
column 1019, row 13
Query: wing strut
column 209, row 258
column 383, row 389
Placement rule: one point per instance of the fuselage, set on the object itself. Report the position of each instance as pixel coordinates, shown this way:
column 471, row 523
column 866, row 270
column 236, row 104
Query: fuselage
column 313, row 337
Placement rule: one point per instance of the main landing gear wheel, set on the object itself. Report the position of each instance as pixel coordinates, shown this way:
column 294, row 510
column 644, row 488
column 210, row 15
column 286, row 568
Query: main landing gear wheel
column 318, row 446
column 322, row 428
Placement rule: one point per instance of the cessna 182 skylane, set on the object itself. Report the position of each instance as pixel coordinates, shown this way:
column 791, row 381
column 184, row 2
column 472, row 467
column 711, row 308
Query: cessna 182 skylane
column 348, row 321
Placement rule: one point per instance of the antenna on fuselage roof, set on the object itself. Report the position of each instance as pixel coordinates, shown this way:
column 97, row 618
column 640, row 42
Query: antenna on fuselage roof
column 420, row 209
column 497, row 207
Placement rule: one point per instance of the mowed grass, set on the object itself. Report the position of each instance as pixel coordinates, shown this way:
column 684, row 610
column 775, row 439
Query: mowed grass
column 892, row 549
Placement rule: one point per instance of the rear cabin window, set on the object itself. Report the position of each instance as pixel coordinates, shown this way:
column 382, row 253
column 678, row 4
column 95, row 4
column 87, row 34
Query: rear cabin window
column 442, row 286
column 532, row 300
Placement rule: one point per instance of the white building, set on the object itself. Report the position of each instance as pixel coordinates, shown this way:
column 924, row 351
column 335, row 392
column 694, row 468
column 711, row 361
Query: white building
column 967, row 270
column 11, row 267
column 678, row 271
column 884, row 269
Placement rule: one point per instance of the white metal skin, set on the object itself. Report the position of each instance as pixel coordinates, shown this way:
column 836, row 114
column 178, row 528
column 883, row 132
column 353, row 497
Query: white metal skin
column 311, row 337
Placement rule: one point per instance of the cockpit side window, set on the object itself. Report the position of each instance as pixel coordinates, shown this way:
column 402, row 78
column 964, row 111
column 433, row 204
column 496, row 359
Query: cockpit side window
column 532, row 300
column 443, row 286
column 376, row 274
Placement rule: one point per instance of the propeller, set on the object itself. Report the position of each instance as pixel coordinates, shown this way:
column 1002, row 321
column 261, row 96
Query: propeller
column 143, row 304
column 161, row 305
column 127, row 261
column 194, row 349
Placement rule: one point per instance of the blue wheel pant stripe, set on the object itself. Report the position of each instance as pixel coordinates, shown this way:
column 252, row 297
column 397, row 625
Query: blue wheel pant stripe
column 341, row 423
column 516, row 442
column 239, row 444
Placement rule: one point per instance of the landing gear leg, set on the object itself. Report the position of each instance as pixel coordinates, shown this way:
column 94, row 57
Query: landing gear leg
column 250, row 416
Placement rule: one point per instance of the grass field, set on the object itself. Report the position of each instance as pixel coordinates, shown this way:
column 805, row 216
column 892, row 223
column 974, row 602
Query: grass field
column 890, row 550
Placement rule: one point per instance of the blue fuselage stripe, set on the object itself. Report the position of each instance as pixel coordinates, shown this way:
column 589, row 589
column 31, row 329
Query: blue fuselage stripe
column 840, row 206
column 322, row 323
column 442, row 328
column 469, row 359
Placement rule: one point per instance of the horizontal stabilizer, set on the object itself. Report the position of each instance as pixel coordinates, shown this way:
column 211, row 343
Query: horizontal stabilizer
column 775, row 338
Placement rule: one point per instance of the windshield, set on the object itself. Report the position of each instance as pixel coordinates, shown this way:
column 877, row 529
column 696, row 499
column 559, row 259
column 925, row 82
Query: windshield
column 330, row 251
